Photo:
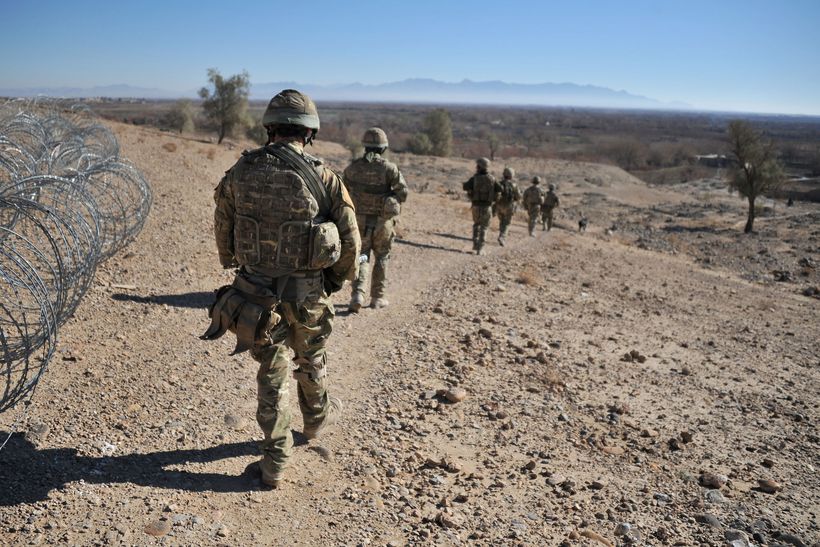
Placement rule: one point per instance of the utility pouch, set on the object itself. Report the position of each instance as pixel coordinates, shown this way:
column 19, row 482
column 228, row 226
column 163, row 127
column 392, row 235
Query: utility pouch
column 392, row 207
column 325, row 246
column 249, row 315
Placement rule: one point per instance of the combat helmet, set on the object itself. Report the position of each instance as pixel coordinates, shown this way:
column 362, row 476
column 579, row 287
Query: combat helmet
column 482, row 163
column 292, row 107
column 551, row 187
column 374, row 137
column 536, row 180
column 508, row 173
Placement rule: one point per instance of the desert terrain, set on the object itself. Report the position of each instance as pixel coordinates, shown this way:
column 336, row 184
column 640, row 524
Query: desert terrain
column 653, row 380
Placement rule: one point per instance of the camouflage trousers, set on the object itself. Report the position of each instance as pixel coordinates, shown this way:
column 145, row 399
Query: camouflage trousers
column 547, row 217
column 533, row 212
column 377, row 239
column 505, row 212
column 482, row 214
column 304, row 329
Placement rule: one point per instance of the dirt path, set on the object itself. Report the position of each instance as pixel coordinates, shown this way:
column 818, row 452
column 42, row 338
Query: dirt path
column 138, row 422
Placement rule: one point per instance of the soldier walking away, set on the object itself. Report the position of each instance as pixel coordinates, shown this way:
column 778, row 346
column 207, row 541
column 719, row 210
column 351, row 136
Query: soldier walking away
column 533, row 199
column 286, row 222
column 483, row 191
column 548, row 207
column 378, row 190
column 507, row 204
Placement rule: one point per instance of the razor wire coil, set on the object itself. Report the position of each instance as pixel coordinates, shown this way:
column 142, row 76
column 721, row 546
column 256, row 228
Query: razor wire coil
column 67, row 202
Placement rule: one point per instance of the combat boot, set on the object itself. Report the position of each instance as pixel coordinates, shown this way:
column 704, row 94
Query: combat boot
column 334, row 410
column 379, row 302
column 356, row 302
column 501, row 241
column 269, row 477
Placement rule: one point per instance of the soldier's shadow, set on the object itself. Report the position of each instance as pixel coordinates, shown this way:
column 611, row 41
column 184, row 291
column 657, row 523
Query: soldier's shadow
column 27, row 474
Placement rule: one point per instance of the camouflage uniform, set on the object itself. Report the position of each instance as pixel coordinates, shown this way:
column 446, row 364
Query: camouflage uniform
column 533, row 199
column 262, row 225
column 507, row 203
column 483, row 191
column 548, row 207
column 377, row 188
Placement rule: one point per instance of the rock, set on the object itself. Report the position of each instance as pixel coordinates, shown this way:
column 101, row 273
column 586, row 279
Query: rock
column 790, row 539
column 733, row 535
column 769, row 486
column 613, row 450
column 713, row 480
column 714, row 496
column 455, row 394
column 429, row 394
column 158, row 528
column 598, row 484
column 709, row 520
column 574, row 535
column 222, row 531
column 530, row 465
column 767, row 463
column 486, row 333
column 556, row 479
column 323, row 452
column 623, row 528
column 232, row 421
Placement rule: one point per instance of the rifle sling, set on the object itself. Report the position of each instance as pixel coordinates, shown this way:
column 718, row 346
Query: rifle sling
column 299, row 164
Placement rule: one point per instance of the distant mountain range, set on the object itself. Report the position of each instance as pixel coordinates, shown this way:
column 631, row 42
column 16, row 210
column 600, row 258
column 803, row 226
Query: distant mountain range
column 418, row 90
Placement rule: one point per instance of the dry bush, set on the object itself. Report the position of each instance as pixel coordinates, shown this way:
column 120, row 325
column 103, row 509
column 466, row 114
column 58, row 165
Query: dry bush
column 169, row 147
column 528, row 276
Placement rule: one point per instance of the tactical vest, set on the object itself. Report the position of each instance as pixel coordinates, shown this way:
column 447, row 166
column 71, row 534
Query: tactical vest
column 508, row 191
column 550, row 200
column 367, row 183
column 533, row 196
column 483, row 189
column 275, row 216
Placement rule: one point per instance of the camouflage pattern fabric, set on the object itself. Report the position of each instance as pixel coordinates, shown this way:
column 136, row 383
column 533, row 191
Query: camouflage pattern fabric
column 547, row 209
column 533, row 198
column 306, row 319
column 304, row 329
column 506, row 206
column 481, row 221
column 373, row 178
column 378, row 239
column 483, row 191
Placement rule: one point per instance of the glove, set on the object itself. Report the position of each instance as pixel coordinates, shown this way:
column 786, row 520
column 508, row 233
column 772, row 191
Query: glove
column 331, row 283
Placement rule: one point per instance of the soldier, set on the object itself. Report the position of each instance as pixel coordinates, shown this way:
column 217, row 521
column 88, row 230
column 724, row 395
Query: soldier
column 547, row 208
column 377, row 188
column 483, row 190
column 533, row 199
column 287, row 223
column 507, row 203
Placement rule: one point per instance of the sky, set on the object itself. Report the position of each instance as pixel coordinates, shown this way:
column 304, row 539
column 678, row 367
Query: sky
column 731, row 55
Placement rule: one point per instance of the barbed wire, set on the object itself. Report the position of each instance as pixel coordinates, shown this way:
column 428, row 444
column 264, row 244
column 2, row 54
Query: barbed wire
column 67, row 202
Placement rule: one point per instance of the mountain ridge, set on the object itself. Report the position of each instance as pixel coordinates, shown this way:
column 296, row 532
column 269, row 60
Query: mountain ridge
column 411, row 90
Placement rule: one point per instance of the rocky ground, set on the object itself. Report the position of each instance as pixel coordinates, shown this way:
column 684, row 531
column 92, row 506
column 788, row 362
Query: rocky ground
column 651, row 381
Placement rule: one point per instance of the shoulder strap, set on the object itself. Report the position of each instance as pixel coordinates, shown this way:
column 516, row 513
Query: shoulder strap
column 299, row 164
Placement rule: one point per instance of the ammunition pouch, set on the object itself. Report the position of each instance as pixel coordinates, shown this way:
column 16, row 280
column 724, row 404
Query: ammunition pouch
column 244, row 309
column 391, row 208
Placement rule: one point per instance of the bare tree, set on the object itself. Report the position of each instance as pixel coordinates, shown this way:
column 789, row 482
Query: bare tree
column 227, row 104
column 756, row 170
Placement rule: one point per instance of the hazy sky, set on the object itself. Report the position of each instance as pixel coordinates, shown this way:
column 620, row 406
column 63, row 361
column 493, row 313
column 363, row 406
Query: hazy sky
column 721, row 54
